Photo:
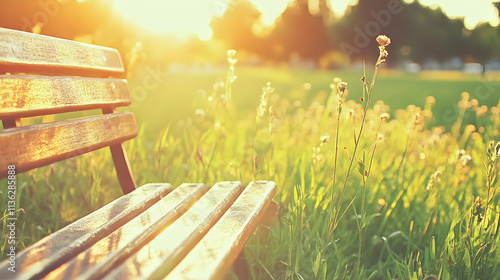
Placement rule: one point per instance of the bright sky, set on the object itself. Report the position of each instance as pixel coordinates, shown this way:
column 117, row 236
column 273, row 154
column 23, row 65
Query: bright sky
column 183, row 17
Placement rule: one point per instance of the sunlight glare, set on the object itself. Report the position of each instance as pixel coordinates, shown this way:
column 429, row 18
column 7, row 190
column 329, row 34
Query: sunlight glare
column 173, row 17
column 474, row 13
column 270, row 10
column 187, row 17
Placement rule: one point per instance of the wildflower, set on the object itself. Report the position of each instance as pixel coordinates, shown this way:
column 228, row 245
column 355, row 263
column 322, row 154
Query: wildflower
column 381, row 202
column 363, row 80
column 217, row 125
column 459, row 153
column 379, row 137
column 435, row 178
column 465, row 104
column 481, row 111
column 218, row 86
column 306, row 86
column 324, row 139
column 266, row 91
column 475, row 135
column 342, row 86
column 464, row 160
column 199, row 112
column 496, row 110
column 271, row 120
column 430, row 100
column 337, row 80
column 383, row 40
column 231, row 76
column 384, row 116
column 416, row 125
column 316, row 155
column 469, row 128
column 477, row 209
column 493, row 151
column 230, row 57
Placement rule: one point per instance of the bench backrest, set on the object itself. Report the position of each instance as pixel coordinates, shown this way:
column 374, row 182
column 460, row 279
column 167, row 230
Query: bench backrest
column 41, row 75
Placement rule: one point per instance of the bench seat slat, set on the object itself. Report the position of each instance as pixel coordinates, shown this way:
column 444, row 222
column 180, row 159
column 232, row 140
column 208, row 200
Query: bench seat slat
column 22, row 52
column 120, row 244
column 33, row 146
column 26, row 96
column 211, row 258
column 59, row 247
column 172, row 244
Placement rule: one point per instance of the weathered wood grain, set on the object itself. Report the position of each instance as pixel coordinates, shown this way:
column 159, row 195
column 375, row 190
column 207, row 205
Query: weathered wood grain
column 59, row 247
column 172, row 244
column 26, row 96
column 33, row 146
column 22, row 52
column 114, row 248
column 214, row 254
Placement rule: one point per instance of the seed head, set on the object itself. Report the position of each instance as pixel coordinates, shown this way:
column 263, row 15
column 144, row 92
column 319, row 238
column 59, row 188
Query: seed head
column 384, row 116
column 383, row 40
column 271, row 120
column 342, row 86
column 430, row 100
column 231, row 57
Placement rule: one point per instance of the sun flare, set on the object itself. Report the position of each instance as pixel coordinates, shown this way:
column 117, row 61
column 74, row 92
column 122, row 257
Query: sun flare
column 187, row 17
column 181, row 18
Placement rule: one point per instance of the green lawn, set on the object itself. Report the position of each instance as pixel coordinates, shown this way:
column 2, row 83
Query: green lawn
column 405, row 205
column 180, row 93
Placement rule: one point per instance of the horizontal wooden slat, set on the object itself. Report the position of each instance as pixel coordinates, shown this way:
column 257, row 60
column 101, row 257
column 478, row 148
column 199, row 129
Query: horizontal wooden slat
column 22, row 52
column 33, row 146
column 68, row 242
column 26, row 96
column 172, row 244
column 112, row 249
column 215, row 253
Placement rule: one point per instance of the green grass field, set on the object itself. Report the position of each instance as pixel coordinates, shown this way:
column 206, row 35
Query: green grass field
column 406, row 206
column 180, row 93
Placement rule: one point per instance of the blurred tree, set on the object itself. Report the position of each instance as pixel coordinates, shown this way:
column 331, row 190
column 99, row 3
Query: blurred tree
column 300, row 32
column 483, row 43
column 235, row 28
column 418, row 32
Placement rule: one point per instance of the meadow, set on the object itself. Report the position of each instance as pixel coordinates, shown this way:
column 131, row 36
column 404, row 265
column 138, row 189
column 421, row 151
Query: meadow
column 405, row 189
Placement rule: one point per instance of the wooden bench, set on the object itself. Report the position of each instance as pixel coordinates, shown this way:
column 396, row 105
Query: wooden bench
column 154, row 231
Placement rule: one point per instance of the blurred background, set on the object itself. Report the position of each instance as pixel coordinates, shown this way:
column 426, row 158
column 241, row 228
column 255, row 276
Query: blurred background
column 317, row 34
column 439, row 48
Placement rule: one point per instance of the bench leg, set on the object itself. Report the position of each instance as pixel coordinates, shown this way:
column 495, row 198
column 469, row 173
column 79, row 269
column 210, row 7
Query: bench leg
column 122, row 165
column 241, row 268
column 11, row 123
column 122, row 168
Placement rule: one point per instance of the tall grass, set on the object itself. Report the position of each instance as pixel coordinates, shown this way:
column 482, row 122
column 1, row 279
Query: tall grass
column 365, row 193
